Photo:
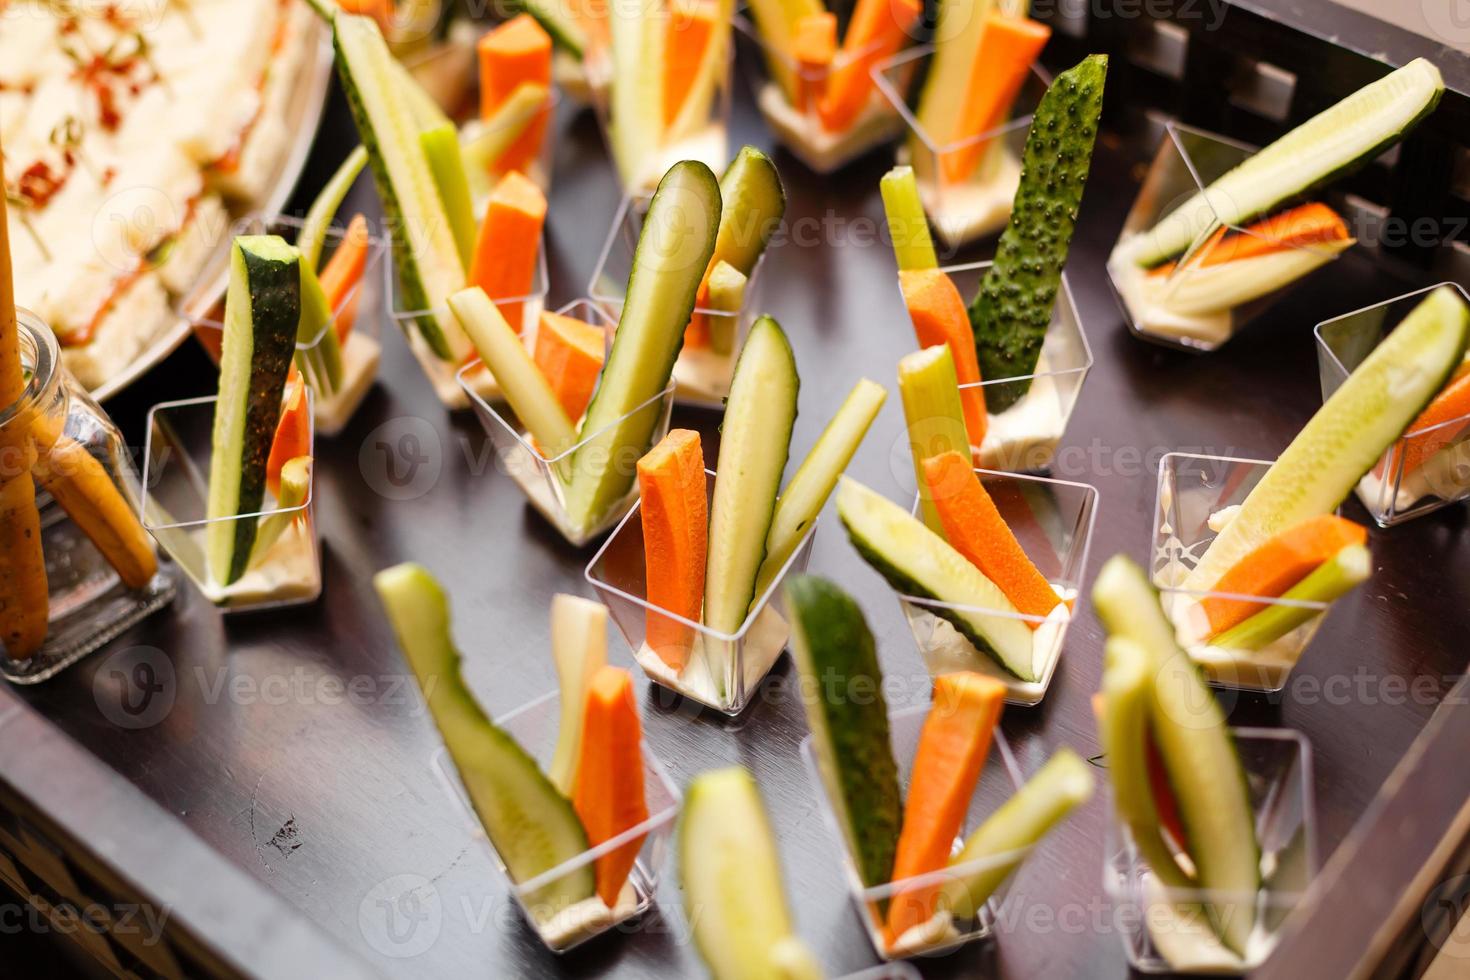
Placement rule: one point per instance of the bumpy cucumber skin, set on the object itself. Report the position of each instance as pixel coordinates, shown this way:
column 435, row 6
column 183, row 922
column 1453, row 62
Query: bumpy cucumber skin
column 1013, row 309
column 832, row 644
column 512, row 797
column 1128, row 605
column 753, row 204
column 415, row 297
column 274, row 289
column 755, row 442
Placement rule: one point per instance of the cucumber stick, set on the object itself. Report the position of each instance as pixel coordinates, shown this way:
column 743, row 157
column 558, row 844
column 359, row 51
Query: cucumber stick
column 755, row 440
column 753, row 202
column 318, row 351
column 933, row 416
column 1201, row 291
column 1123, row 729
column 579, row 648
column 424, row 249
column 496, row 135
column 807, row 492
column 532, row 826
column 1059, row 787
column 1328, row 582
column 1197, row 749
column 262, row 316
column 1331, row 144
column 830, row 640
column 726, row 296
column 636, row 126
column 907, row 225
column 1348, row 434
column 917, row 562
column 295, row 491
column 731, row 877
column 1013, row 309
column 324, row 207
column 525, row 387
column 673, row 251
column 441, row 148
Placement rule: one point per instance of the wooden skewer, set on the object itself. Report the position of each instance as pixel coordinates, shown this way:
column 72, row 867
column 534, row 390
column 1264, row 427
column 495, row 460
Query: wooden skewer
column 24, row 602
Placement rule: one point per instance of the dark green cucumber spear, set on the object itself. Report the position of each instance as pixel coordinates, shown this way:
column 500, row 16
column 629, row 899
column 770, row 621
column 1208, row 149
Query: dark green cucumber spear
column 1011, row 312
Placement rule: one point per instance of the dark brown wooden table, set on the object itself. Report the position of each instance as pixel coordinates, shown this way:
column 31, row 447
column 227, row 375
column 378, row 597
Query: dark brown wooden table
column 292, row 743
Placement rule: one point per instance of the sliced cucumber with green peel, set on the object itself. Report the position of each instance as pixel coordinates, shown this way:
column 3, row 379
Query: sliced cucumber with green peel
column 731, row 873
column 807, row 491
column 441, row 148
column 674, row 249
column 1330, row 145
column 1197, row 749
column 1059, row 787
column 1013, row 309
column 319, row 215
column 917, row 562
column 262, row 317
column 1328, row 582
column 1349, row 433
column 907, row 224
column 425, row 253
column 532, row 826
column 1123, row 728
column 835, row 652
column 753, row 204
column 755, row 440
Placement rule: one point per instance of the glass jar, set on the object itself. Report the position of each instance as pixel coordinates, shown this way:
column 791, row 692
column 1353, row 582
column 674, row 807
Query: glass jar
column 79, row 456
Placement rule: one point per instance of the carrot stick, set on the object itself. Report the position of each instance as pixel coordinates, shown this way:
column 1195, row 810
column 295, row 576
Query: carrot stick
column 517, row 51
column 80, row 485
column 1453, row 402
column 24, row 594
column 815, row 48
column 293, row 436
column 608, row 796
column 690, row 27
column 1008, row 46
column 1277, row 565
column 696, row 331
column 344, row 270
column 569, row 352
column 1306, row 224
column 952, row 748
column 877, row 30
column 674, row 507
column 973, row 525
column 939, row 315
column 379, row 10
column 504, row 263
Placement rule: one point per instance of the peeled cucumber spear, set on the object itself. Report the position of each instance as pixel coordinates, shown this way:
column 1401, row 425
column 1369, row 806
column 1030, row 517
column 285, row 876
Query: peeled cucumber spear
column 1013, row 309
column 933, row 416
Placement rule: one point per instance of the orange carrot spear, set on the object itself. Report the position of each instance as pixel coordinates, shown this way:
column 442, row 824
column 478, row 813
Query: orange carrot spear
column 24, row 602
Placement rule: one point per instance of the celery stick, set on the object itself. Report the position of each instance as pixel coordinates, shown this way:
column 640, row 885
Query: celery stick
column 295, row 489
column 726, row 295
column 1330, row 580
column 318, row 352
column 907, row 225
column 530, row 397
column 319, row 216
column 497, row 133
column 812, row 484
column 441, row 146
column 933, row 414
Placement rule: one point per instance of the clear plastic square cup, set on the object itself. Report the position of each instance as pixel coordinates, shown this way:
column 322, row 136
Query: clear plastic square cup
column 522, row 312
column 647, row 134
column 706, row 362
column 1199, row 299
column 1429, row 466
column 1035, row 408
column 340, row 374
column 719, row 670
column 1169, row 930
column 545, row 479
column 787, row 93
column 966, row 185
column 72, row 445
column 1053, row 520
column 483, row 143
column 285, row 564
column 999, row 780
column 560, row 924
column 1196, row 495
